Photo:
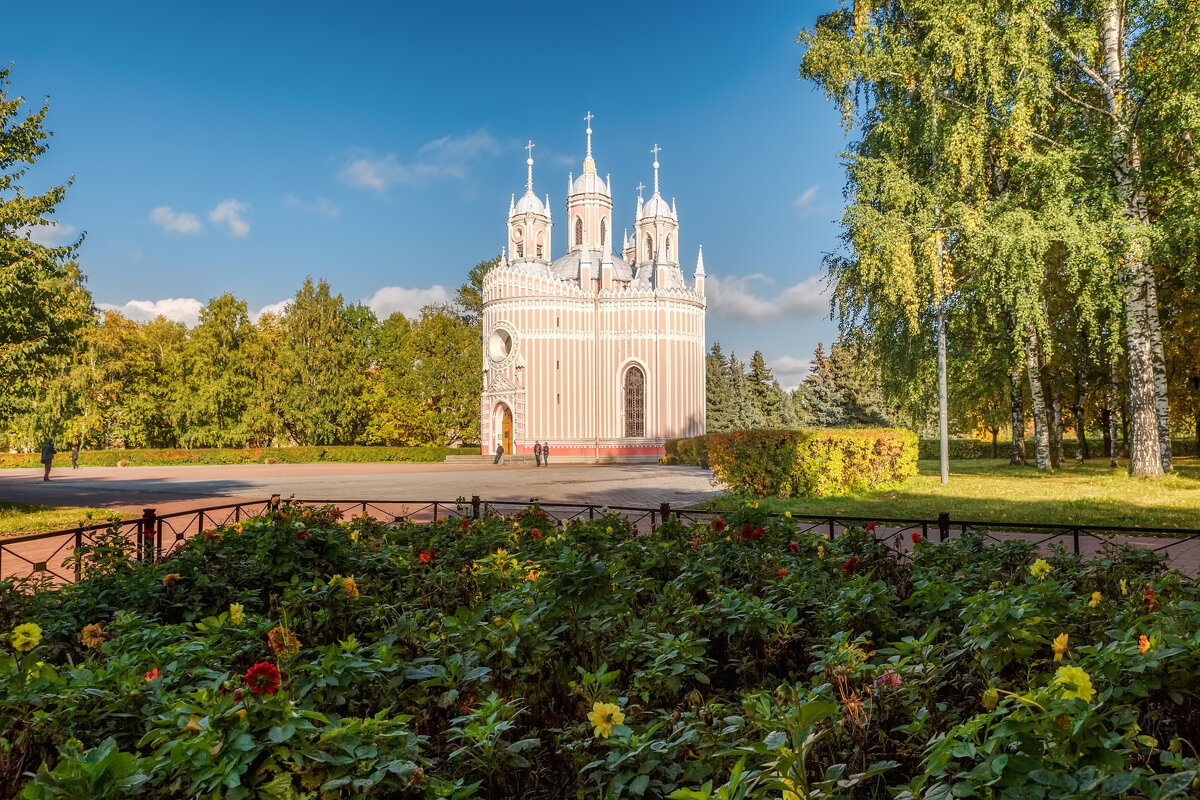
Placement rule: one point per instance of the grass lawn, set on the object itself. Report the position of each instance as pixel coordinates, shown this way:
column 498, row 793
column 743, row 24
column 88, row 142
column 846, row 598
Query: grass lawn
column 18, row 518
column 983, row 490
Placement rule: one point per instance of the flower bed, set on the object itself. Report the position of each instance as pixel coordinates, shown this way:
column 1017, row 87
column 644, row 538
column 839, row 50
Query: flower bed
column 297, row 656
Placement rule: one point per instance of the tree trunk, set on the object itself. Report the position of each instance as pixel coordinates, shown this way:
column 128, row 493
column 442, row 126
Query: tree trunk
column 995, row 445
column 943, row 402
column 1057, row 456
column 1145, row 451
column 1081, row 444
column 1017, row 401
column 1032, row 368
column 1161, row 406
column 1106, row 429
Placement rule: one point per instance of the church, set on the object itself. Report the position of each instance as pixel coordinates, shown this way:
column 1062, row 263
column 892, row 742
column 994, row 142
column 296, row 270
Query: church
column 597, row 354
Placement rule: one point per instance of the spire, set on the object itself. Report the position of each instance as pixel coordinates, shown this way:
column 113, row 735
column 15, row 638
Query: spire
column 625, row 241
column 589, row 163
column 608, row 183
column 512, row 205
column 700, row 262
column 548, row 214
column 656, row 150
column 674, row 213
column 529, row 163
column 570, row 183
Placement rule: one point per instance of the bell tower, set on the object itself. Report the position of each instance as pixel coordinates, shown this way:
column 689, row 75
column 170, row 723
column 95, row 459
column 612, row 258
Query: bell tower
column 656, row 232
column 529, row 223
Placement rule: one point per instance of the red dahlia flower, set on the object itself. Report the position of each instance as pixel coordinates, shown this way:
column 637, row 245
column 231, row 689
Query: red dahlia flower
column 263, row 678
column 850, row 564
column 152, row 675
column 301, row 535
column 870, row 527
column 718, row 524
column 916, row 537
column 537, row 534
column 794, row 546
column 427, row 556
column 781, row 573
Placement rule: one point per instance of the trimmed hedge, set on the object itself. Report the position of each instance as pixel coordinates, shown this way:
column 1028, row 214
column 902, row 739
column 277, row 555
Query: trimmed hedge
column 815, row 462
column 690, row 452
column 336, row 454
column 980, row 448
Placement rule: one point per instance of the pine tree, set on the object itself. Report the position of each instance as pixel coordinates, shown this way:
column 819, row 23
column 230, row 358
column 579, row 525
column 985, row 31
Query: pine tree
column 719, row 398
column 820, row 397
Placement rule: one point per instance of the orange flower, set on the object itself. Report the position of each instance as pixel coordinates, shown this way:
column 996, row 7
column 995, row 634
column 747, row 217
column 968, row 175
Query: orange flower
column 1151, row 600
column 282, row 641
column 152, row 675
column 1143, row 643
column 170, row 578
column 92, row 635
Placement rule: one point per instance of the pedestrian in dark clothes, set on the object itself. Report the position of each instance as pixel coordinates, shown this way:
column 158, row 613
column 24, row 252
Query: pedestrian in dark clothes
column 75, row 456
column 546, row 454
column 48, row 452
column 537, row 453
column 499, row 452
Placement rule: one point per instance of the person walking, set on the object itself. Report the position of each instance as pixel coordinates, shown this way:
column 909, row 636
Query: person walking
column 48, row 452
column 546, row 454
column 74, row 456
column 499, row 452
column 537, row 453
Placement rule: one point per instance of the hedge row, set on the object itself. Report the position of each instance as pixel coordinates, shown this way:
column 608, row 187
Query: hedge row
column 814, row 462
column 690, row 452
column 250, row 455
column 979, row 448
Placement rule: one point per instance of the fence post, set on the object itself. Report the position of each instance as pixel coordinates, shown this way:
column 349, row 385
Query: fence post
column 78, row 555
column 943, row 526
column 831, row 534
column 159, row 539
column 474, row 506
column 146, row 534
column 1075, row 536
column 665, row 510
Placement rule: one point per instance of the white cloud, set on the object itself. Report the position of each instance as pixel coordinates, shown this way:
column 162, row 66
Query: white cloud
column 173, row 221
column 230, row 213
column 177, row 309
column 790, row 371
column 270, row 308
column 806, row 199
column 447, row 157
column 409, row 302
column 56, row 234
column 318, row 208
column 735, row 298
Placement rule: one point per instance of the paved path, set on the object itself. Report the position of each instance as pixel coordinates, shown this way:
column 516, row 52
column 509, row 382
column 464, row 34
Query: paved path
column 170, row 489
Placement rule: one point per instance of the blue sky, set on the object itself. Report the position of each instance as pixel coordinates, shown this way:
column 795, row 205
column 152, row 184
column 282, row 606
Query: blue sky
column 243, row 146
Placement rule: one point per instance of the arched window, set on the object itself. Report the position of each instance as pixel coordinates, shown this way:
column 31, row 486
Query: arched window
column 603, row 232
column 635, row 402
column 578, row 231
column 540, row 248
column 668, row 248
column 520, row 250
column 649, row 248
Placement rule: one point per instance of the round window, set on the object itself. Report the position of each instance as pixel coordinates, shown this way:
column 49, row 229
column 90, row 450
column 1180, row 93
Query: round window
column 500, row 345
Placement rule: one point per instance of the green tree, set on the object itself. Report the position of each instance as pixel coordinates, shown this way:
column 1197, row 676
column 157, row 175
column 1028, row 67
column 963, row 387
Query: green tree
column 720, row 413
column 322, row 372
column 43, row 303
column 219, row 376
column 470, row 295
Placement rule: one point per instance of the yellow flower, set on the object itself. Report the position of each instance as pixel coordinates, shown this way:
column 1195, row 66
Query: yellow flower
column 241, row 712
column 516, row 526
column 603, row 716
column 25, row 637
column 787, row 514
column 1040, row 569
column 282, row 641
column 820, row 551
column 1074, row 682
column 350, row 587
column 237, row 614
column 991, row 697
column 1060, row 646
column 237, row 526
column 170, row 578
column 92, row 636
column 1095, row 601
column 1124, row 587
column 354, row 535
column 608, row 529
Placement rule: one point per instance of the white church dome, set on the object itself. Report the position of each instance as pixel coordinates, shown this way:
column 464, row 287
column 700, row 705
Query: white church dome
column 530, row 203
column 656, row 207
column 589, row 182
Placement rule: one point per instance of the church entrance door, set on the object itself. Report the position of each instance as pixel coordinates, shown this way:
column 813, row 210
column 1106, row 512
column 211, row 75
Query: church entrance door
column 506, row 431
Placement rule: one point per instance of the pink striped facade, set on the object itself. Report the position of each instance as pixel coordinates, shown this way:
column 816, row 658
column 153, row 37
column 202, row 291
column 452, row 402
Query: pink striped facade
column 571, row 345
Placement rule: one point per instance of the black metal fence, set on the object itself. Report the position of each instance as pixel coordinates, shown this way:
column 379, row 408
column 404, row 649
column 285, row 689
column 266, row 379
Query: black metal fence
column 59, row 556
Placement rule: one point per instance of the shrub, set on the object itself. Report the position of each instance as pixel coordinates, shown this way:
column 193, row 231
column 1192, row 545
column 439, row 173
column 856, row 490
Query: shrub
column 247, row 455
column 690, row 452
column 812, row 462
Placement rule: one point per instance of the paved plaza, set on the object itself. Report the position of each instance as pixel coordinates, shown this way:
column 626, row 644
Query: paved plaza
column 169, row 489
